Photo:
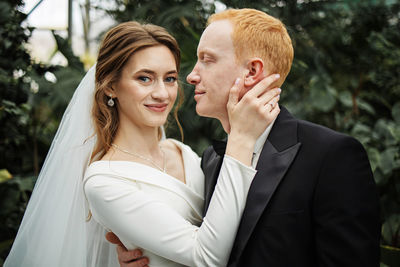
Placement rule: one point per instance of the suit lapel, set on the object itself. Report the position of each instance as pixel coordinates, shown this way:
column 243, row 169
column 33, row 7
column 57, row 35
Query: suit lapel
column 277, row 155
column 211, row 168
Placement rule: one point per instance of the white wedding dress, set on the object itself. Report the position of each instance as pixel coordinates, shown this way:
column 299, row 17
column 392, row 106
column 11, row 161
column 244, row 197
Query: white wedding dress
column 151, row 210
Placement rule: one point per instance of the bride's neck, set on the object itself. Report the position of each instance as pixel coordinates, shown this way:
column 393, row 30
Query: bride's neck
column 135, row 138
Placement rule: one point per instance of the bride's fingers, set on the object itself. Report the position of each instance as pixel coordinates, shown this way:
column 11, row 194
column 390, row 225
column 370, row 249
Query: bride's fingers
column 272, row 103
column 234, row 93
column 263, row 86
column 269, row 96
column 274, row 112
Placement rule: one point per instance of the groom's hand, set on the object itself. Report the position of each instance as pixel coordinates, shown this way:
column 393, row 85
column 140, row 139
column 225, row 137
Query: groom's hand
column 127, row 258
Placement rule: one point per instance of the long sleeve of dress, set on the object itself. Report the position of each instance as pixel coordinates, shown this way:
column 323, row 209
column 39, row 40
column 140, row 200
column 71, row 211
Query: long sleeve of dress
column 141, row 219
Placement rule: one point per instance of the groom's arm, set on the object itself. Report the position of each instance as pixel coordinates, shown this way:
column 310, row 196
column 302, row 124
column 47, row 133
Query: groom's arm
column 346, row 208
column 127, row 258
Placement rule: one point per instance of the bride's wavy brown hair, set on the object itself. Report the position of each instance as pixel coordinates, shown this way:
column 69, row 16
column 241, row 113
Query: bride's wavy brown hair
column 118, row 45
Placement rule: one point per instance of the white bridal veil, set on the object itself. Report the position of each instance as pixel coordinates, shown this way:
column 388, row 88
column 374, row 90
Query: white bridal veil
column 54, row 231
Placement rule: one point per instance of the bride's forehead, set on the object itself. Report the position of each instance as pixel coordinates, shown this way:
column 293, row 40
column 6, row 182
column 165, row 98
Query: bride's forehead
column 151, row 59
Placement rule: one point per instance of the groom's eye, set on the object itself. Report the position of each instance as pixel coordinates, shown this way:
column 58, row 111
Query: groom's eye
column 208, row 59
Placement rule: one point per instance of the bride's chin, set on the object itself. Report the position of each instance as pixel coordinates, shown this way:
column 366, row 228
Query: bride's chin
column 156, row 121
column 159, row 123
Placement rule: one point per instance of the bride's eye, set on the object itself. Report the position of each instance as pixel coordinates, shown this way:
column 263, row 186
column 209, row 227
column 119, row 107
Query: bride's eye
column 144, row 79
column 171, row 79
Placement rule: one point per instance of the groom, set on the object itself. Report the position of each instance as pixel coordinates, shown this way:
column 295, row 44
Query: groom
column 313, row 201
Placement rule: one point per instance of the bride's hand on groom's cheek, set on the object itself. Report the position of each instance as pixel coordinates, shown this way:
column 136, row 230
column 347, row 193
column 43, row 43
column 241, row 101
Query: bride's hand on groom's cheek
column 258, row 107
column 127, row 258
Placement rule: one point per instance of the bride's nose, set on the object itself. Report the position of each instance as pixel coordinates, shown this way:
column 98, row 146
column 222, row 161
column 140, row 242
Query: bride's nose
column 160, row 91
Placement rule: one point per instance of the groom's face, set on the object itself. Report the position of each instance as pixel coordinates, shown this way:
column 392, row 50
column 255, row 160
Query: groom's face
column 215, row 71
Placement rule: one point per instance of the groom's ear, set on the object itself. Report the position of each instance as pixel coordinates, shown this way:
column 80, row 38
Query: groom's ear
column 255, row 72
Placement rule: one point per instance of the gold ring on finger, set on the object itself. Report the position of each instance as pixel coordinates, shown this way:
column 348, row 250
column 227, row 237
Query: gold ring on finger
column 272, row 106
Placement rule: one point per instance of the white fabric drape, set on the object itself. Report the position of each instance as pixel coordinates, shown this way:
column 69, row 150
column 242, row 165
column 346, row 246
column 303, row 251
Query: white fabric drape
column 54, row 231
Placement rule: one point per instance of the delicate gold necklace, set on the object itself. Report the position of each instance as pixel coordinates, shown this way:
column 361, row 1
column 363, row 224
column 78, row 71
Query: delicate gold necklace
column 143, row 157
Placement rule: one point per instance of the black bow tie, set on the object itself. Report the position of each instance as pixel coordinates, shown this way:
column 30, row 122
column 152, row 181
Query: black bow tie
column 219, row 147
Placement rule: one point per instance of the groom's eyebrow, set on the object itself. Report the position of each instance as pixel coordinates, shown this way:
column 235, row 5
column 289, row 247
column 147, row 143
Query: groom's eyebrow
column 207, row 52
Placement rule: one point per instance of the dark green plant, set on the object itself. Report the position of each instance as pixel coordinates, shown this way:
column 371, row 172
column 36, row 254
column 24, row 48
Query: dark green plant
column 15, row 66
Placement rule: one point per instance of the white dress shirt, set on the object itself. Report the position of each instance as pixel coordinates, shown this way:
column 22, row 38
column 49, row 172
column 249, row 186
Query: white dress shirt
column 260, row 144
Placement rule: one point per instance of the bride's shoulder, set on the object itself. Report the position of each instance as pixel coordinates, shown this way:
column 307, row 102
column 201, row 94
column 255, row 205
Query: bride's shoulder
column 171, row 145
column 178, row 147
column 95, row 167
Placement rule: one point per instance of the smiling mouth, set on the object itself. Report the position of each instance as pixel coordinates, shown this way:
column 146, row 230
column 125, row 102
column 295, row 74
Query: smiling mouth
column 157, row 107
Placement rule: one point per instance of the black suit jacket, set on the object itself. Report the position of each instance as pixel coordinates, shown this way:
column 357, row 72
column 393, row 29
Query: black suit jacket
column 313, row 201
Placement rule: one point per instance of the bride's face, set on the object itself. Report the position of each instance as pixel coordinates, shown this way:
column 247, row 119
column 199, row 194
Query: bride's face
column 148, row 87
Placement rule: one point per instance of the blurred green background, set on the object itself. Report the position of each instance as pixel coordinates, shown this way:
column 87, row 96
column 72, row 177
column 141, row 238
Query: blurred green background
column 345, row 75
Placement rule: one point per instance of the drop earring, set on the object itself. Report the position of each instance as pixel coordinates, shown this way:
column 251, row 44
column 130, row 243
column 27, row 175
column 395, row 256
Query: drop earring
column 110, row 101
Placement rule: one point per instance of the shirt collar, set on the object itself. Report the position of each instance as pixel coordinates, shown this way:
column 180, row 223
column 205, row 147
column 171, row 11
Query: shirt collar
column 220, row 146
column 263, row 138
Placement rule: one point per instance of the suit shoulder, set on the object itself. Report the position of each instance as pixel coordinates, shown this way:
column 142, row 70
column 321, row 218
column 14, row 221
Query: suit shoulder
column 208, row 155
column 211, row 159
column 323, row 135
column 208, row 152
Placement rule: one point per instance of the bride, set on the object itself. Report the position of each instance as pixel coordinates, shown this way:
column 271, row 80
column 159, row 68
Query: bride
column 109, row 167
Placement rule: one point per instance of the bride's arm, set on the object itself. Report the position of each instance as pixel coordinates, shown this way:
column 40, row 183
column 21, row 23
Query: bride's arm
column 138, row 218
column 142, row 220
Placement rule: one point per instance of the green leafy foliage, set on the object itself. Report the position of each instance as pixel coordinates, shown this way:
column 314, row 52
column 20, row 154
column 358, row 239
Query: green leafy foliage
column 14, row 88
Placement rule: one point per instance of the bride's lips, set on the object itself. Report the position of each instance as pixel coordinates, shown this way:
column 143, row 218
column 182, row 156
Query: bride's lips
column 157, row 107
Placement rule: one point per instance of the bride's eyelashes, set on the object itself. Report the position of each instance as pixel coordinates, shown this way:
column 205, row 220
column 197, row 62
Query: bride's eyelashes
column 147, row 79
column 144, row 79
column 171, row 79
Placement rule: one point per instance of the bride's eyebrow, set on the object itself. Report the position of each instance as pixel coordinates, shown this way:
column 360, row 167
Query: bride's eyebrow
column 148, row 71
column 172, row 72
column 152, row 72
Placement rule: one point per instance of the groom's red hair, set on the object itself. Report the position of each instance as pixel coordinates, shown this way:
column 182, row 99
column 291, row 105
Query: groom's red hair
column 257, row 34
